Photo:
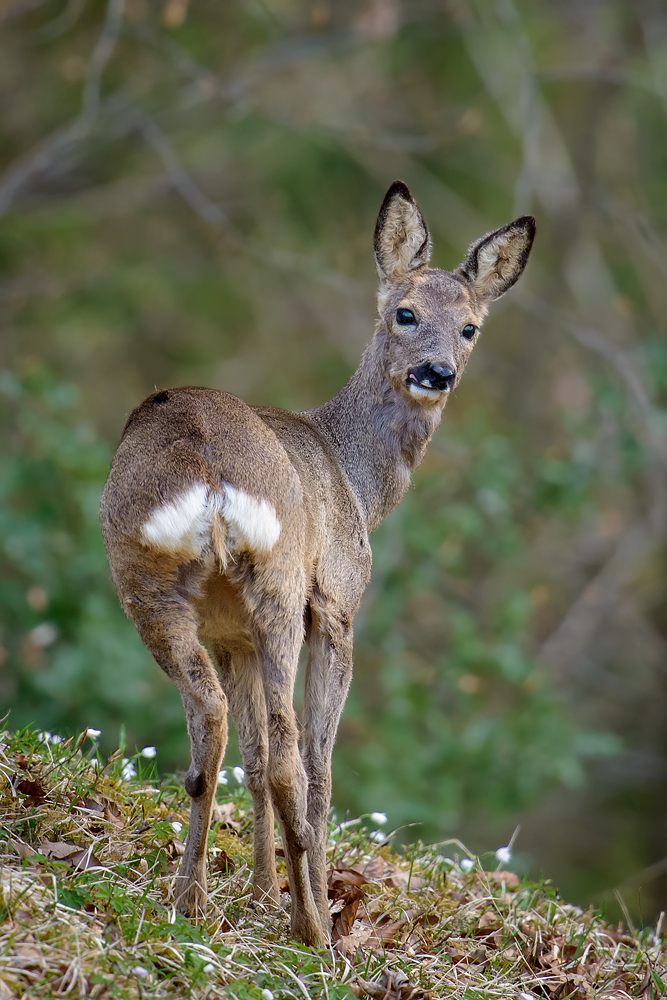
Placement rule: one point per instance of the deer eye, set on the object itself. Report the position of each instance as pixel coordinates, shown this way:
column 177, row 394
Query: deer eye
column 468, row 331
column 405, row 317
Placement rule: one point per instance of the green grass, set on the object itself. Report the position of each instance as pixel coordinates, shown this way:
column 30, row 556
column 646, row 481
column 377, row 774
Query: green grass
column 88, row 861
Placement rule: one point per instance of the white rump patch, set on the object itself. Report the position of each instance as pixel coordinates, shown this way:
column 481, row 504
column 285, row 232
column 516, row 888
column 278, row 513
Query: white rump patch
column 183, row 526
column 253, row 522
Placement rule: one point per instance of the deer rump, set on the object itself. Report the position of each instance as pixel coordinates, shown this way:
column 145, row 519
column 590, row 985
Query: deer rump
column 247, row 528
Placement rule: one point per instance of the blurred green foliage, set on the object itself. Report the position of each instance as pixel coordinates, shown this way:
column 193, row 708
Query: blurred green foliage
column 189, row 196
column 80, row 662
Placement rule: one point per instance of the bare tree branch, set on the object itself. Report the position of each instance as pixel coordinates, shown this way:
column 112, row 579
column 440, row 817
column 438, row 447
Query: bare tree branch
column 568, row 641
column 638, row 227
column 101, row 55
column 21, row 173
column 21, row 7
column 577, row 629
column 189, row 191
column 62, row 23
column 613, row 355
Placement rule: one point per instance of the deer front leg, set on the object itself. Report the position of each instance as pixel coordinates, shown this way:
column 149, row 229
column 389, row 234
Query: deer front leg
column 328, row 677
column 242, row 683
column 279, row 651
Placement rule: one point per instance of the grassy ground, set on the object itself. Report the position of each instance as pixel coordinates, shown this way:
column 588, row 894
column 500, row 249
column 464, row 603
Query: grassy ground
column 88, row 858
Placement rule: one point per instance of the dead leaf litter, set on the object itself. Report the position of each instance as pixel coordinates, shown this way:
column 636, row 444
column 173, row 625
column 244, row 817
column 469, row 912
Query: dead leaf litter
column 88, row 862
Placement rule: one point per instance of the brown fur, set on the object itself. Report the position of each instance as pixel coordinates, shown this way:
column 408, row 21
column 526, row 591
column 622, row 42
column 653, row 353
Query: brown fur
column 329, row 475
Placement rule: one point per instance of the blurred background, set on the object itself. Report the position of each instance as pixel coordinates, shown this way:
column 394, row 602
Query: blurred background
column 188, row 196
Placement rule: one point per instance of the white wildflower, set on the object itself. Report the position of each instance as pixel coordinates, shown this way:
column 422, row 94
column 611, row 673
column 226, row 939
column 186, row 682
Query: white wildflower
column 239, row 774
column 46, row 737
column 504, row 855
column 467, row 864
column 526, row 996
column 43, row 635
column 176, row 826
column 93, row 734
column 267, row 995
column 139, row 970
column 149, row 752
column 209, row 967
column 222, row 777
column 377, row 836
column 129, row 770
column 379, row 818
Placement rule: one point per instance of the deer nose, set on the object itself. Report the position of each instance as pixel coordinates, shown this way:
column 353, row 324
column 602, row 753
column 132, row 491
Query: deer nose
column 441, row 377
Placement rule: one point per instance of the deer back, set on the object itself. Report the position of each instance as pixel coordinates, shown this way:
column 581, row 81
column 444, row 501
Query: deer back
column 202, row 477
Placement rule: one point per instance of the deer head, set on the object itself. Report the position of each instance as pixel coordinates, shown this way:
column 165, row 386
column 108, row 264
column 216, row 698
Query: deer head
column 429, row 318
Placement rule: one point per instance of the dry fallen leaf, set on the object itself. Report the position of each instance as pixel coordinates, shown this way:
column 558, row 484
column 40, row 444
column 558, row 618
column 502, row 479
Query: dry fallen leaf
column 34, row 790
column 345, row 885
column 617, row 934
column 28, row 955
column 175, row 849
column 489, row 921
column 405, row 881
column 223, row 813
column 338, row 878
column 83, row 802
column 344, row 920
column 389, row 931
column 59, row 850
column 511, row 879
column 223, row 863
column 112, row 812
column 74, row 854
column 375, row 868
column 349, row 944
column 85, row 859
column 381, row 870
column 23, row 850
column 646, row 983
column 456, row 952
column 395, row 985
column 568, row 990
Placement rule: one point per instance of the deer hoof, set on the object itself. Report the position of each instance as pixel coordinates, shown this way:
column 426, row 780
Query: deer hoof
column 190, row 897
column 307, row 929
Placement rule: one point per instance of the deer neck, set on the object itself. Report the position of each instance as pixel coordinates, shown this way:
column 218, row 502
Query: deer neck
column 377, row 435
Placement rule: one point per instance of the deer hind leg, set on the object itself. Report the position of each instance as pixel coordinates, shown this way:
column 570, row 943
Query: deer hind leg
column 328, row 677
column 242, row 683
column 172, row 639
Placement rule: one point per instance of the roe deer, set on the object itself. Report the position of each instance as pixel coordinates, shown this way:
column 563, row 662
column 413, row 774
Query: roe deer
column 247, row 528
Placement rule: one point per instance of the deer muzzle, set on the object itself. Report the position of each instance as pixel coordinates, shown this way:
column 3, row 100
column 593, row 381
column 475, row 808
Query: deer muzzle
column 439, row 378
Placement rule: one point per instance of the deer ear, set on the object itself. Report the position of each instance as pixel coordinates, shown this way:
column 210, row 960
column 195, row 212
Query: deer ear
column 495, row 262
column 402, row 242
